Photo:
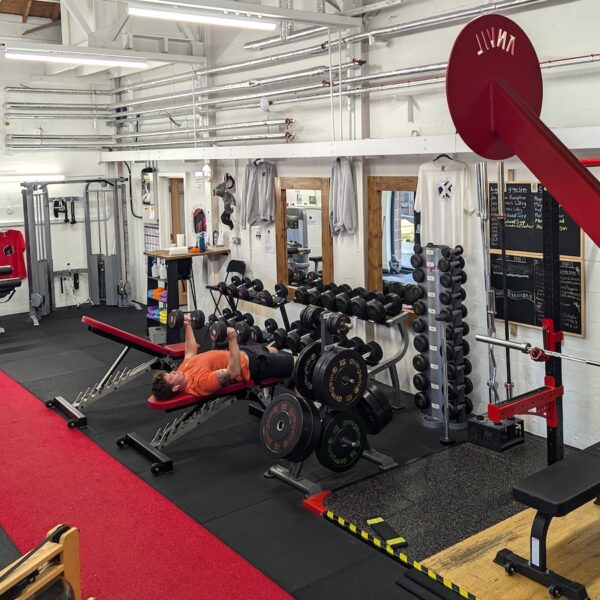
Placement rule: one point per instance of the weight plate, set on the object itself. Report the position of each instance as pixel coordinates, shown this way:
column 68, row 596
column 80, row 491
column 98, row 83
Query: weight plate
column 311, row 432
column 490, row 51
column 342, row 440
column 303, row 370
column 375, row 409
column 290, row 428
column 340, row 377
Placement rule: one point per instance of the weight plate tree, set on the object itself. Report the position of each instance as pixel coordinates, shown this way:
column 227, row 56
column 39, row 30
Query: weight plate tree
column 342, row 441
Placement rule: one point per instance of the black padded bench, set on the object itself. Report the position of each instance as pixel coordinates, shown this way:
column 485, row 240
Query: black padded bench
column 8, row 286
column 554, row 492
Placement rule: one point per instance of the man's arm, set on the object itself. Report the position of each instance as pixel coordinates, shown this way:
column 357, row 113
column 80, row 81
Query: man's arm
column 191, row 345
column 234, row 368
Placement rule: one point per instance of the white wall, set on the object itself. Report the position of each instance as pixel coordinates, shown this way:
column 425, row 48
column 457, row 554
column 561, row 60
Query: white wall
column 68, row 240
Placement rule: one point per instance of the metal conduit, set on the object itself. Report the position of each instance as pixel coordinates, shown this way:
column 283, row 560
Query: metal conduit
column 275, row 40
column 235, row 86
column 72, row 92
column 248, row 125
column 37, row 136
column 177, row 109
column 58, row 116
column 444, row 18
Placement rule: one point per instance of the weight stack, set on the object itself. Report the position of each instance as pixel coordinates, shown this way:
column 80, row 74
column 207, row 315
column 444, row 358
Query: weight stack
column 452, row 294
column 431, row 333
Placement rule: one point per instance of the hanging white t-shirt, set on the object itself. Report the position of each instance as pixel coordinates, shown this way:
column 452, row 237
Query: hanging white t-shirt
column 444, row 198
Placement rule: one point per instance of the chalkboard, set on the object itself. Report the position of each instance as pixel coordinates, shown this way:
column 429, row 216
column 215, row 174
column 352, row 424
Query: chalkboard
column 523, row 206
column 525, row 284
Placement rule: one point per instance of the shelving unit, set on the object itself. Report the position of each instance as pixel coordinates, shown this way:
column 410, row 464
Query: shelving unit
column 173, row 263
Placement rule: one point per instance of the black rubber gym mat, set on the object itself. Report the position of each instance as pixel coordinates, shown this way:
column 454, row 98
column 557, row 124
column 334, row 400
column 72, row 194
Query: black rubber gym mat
column 372, row 578
column 435, row 502
column 8, row 551
column 50, row 365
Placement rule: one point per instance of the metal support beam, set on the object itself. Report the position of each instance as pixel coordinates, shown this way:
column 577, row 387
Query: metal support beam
column 71, row 6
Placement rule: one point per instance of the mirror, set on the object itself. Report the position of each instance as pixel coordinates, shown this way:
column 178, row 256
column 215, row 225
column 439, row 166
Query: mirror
column 392, row 229
column 304, row 246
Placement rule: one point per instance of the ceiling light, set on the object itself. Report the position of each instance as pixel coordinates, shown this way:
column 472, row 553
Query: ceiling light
column 22, row 178
column 71, row 59
column 189, row 16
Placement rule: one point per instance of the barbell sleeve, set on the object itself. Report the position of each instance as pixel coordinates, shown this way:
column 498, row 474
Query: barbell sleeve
column 525, row 348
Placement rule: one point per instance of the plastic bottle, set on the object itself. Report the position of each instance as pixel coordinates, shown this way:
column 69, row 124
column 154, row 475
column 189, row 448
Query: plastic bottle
column 202, row 241
column 154, row 269
column 162, row 270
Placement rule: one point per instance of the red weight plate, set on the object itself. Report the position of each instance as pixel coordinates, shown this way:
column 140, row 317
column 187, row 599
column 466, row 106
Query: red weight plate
column 490, row 48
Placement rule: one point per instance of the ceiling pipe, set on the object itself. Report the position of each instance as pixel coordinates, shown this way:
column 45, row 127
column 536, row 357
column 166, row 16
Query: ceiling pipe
column 70, row 116
column 252, row 83
column 177, row 110
column 71, row 92
column 229, row 126
column 441, row 19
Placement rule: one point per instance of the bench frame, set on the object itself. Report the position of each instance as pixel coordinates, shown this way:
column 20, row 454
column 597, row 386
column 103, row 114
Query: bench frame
column 191, row 418
column 535, row 568
column 113, row 379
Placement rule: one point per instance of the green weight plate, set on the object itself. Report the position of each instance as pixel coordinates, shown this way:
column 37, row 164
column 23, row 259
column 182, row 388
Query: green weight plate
column 342, row 441
column 281, row 426
column 340, row 378
column 303, row 370
column 375, row 409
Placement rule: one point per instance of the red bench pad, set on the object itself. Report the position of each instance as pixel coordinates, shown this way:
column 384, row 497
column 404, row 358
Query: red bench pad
column 184, row 400
column 134, row 341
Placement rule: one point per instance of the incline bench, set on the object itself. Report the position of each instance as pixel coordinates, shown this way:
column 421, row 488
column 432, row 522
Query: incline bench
column 198, row 411
column 554, row 492
column 163, row 357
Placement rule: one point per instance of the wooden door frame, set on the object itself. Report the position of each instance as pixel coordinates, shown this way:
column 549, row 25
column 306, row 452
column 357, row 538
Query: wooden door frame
column 176, row 188
column 282, row 184
column 376, row 185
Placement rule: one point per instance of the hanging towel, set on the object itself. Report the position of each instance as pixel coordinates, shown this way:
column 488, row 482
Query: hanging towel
column 343, row 215
column 258, row 200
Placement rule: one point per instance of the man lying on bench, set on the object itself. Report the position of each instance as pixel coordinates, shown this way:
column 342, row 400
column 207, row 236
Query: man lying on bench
column 204, row 374
column 203, row 385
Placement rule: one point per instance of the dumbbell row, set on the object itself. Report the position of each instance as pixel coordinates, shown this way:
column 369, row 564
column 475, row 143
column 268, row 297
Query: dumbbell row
column 422, row 403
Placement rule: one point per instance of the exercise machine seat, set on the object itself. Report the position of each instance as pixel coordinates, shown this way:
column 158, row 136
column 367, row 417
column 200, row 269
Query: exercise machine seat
column 134, row 341
column 563, row 486
column 9, row 285
column 184, row 400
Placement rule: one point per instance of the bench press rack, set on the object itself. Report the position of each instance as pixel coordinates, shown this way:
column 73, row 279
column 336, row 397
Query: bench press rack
column 494, row 91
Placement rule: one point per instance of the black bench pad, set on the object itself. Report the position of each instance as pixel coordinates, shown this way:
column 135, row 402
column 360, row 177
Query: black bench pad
column 563, row 486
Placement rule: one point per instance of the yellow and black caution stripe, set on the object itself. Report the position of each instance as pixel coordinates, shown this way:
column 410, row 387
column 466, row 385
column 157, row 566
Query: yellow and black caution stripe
column 390, row 550
column 385, row 531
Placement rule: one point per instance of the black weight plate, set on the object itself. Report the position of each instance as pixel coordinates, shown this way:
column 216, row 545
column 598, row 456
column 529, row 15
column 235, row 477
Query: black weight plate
column 375, row 409
column 303, row 370
column 342, row 441
column 282, row 425
column 340, row 378
column 311, row 432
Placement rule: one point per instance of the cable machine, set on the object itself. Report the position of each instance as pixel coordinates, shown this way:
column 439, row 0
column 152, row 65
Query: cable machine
column 106, row 265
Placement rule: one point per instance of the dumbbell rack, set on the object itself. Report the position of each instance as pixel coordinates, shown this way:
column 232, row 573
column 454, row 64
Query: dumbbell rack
column 438, row 409
column 291, row 474
column 233, row 304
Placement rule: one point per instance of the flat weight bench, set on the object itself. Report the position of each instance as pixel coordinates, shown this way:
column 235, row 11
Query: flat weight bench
column 554, row 492
column 8, row 287
column 163, row 357
column 198, row 411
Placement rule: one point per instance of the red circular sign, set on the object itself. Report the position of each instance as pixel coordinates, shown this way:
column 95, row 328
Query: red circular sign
column 490, row 48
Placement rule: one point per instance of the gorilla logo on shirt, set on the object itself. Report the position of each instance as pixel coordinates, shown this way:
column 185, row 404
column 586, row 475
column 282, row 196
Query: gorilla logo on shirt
column 445, row 190
column 8, row 250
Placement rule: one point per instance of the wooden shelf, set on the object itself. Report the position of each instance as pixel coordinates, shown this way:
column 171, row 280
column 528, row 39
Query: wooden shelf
column 164, row 254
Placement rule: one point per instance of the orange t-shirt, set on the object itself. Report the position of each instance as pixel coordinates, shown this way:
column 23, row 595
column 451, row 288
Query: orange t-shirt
column 201, row 371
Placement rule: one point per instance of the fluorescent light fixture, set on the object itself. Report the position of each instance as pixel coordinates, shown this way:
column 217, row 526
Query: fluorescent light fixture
column 190, row 16
column 21, row 178
column 71, row 59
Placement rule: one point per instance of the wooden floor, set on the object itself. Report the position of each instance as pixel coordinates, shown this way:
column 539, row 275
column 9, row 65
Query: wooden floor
column 573, row 552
